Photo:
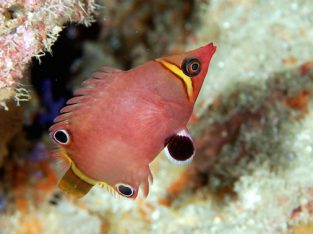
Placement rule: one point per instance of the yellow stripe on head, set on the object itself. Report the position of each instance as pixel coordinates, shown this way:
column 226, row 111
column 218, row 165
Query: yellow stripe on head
column 179, row 74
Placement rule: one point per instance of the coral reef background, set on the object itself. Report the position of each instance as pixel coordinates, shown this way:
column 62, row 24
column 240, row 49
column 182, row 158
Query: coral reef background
column 252, row 124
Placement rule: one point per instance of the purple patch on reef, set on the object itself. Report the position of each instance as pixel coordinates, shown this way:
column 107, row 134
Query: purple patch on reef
column 52, row 106
column 38, row 153
column 2, row 203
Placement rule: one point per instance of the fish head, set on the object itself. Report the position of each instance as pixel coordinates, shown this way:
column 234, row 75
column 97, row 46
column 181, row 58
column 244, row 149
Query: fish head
column 190, row 67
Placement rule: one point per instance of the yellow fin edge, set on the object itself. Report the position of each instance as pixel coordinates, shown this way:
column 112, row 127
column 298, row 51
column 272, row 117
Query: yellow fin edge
column 76, row 182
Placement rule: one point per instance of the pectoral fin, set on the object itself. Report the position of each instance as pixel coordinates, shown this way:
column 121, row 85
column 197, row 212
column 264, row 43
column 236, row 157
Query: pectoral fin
column 180, row 148
column 72, row 184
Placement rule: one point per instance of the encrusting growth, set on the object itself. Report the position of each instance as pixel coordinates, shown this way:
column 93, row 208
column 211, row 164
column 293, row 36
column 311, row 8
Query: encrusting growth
column 29, row 28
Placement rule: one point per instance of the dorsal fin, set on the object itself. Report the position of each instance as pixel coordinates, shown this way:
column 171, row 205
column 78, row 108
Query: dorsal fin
column 106, row 69
column 98, row 82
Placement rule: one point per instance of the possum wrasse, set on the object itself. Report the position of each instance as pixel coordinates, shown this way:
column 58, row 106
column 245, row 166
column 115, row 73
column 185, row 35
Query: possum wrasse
column 119, row 121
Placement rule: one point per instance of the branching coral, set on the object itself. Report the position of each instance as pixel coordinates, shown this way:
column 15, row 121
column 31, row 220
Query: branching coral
column 29, row 28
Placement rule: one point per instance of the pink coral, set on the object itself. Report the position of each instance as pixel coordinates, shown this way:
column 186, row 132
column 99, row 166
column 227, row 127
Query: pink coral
column 28, row 28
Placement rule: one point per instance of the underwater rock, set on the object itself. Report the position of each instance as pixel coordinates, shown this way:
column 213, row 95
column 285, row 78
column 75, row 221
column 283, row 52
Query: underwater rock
column 10, row 126
column 138, row 31
column 249, row 125
column 29, row 28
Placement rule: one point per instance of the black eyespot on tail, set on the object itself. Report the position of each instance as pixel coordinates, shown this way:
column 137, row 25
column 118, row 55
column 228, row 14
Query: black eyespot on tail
column 180, row 149
column 62, row 137
column 125, row 190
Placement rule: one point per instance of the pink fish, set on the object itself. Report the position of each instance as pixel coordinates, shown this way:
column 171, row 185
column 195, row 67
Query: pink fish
column 119, row 121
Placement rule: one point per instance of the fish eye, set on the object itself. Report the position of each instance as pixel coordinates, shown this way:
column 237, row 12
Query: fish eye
column 191, row 66
column 125, row 190
column 62, row 137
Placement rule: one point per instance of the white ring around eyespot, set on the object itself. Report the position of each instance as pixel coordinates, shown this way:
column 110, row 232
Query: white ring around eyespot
column 177, row 162
column 184, row 133
column 126, row 185
column 66, row 134
column 173, row 160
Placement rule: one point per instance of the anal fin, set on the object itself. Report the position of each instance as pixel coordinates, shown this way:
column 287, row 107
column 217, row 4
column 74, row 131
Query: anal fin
column 72, row 184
